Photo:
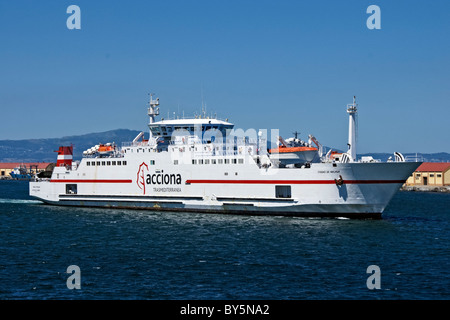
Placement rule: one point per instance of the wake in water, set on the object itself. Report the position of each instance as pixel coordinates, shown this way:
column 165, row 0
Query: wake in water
column 19, row 201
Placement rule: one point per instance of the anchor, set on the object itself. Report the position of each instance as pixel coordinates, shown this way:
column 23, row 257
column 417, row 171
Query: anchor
column 340, row 181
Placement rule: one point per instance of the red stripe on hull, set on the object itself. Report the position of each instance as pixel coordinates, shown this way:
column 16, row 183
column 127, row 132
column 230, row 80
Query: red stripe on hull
column 92, row 181
column 294, row 181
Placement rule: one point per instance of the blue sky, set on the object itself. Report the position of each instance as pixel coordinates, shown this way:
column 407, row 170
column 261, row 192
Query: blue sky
column 292, row 65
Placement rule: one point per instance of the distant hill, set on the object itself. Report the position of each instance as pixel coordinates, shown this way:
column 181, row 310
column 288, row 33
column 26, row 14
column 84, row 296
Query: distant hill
column 42, row 150
column 427, row 157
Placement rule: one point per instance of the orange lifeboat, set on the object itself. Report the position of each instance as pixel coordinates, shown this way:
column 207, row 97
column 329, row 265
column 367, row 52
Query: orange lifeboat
column 283, row 149
column 334, row 155
column 294, row 152
column 294, row 155
column 105, row 149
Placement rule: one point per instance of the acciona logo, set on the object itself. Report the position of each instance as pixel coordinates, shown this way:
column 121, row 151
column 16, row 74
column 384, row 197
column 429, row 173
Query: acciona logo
column 163, row 178
column 144, row 177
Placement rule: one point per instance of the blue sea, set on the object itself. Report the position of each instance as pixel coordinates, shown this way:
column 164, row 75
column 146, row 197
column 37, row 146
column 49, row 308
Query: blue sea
column 145, row 255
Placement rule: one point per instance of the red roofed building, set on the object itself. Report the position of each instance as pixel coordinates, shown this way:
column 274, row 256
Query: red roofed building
column 7, row 167
column 430, row 174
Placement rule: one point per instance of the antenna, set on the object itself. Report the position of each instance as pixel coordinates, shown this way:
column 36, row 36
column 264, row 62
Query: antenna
column 203, row 113
column 201, row 94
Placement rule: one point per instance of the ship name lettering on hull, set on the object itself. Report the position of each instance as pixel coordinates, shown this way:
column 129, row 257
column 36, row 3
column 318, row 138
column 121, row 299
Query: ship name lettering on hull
column 163, row 178
column 166, row 189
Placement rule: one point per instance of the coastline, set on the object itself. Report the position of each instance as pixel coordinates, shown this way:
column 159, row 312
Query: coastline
column 443, row 189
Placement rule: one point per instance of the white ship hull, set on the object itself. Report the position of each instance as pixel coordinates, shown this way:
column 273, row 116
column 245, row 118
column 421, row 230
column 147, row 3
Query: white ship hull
column 238, row 188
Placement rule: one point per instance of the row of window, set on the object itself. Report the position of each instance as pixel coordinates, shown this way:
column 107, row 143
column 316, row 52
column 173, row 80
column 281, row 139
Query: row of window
column 216, row 161
column 106, row 163
column 139, row 149
column 431, row 175
column 157, row 130
column 152, row 162
column 183, row 149
column 208, row 148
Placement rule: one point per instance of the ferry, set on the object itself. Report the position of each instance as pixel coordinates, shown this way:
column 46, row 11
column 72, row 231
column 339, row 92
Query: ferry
column 202, row 165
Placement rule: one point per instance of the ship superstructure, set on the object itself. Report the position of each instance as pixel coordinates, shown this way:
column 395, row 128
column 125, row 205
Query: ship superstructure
column 201, row 164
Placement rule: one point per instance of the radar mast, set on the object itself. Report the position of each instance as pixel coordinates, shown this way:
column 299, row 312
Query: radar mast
column 153, row 110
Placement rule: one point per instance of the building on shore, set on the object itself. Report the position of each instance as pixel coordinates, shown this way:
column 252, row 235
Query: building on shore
column 430, row 174
column 7, row 167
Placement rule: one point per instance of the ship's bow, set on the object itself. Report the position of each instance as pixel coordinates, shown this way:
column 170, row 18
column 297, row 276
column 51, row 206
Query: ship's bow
column 379, row 182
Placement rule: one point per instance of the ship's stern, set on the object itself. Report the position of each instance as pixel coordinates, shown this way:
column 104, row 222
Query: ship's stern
column 43, row 190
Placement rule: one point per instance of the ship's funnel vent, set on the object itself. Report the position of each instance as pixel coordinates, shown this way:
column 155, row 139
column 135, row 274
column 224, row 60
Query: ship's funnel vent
column 65, row 156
